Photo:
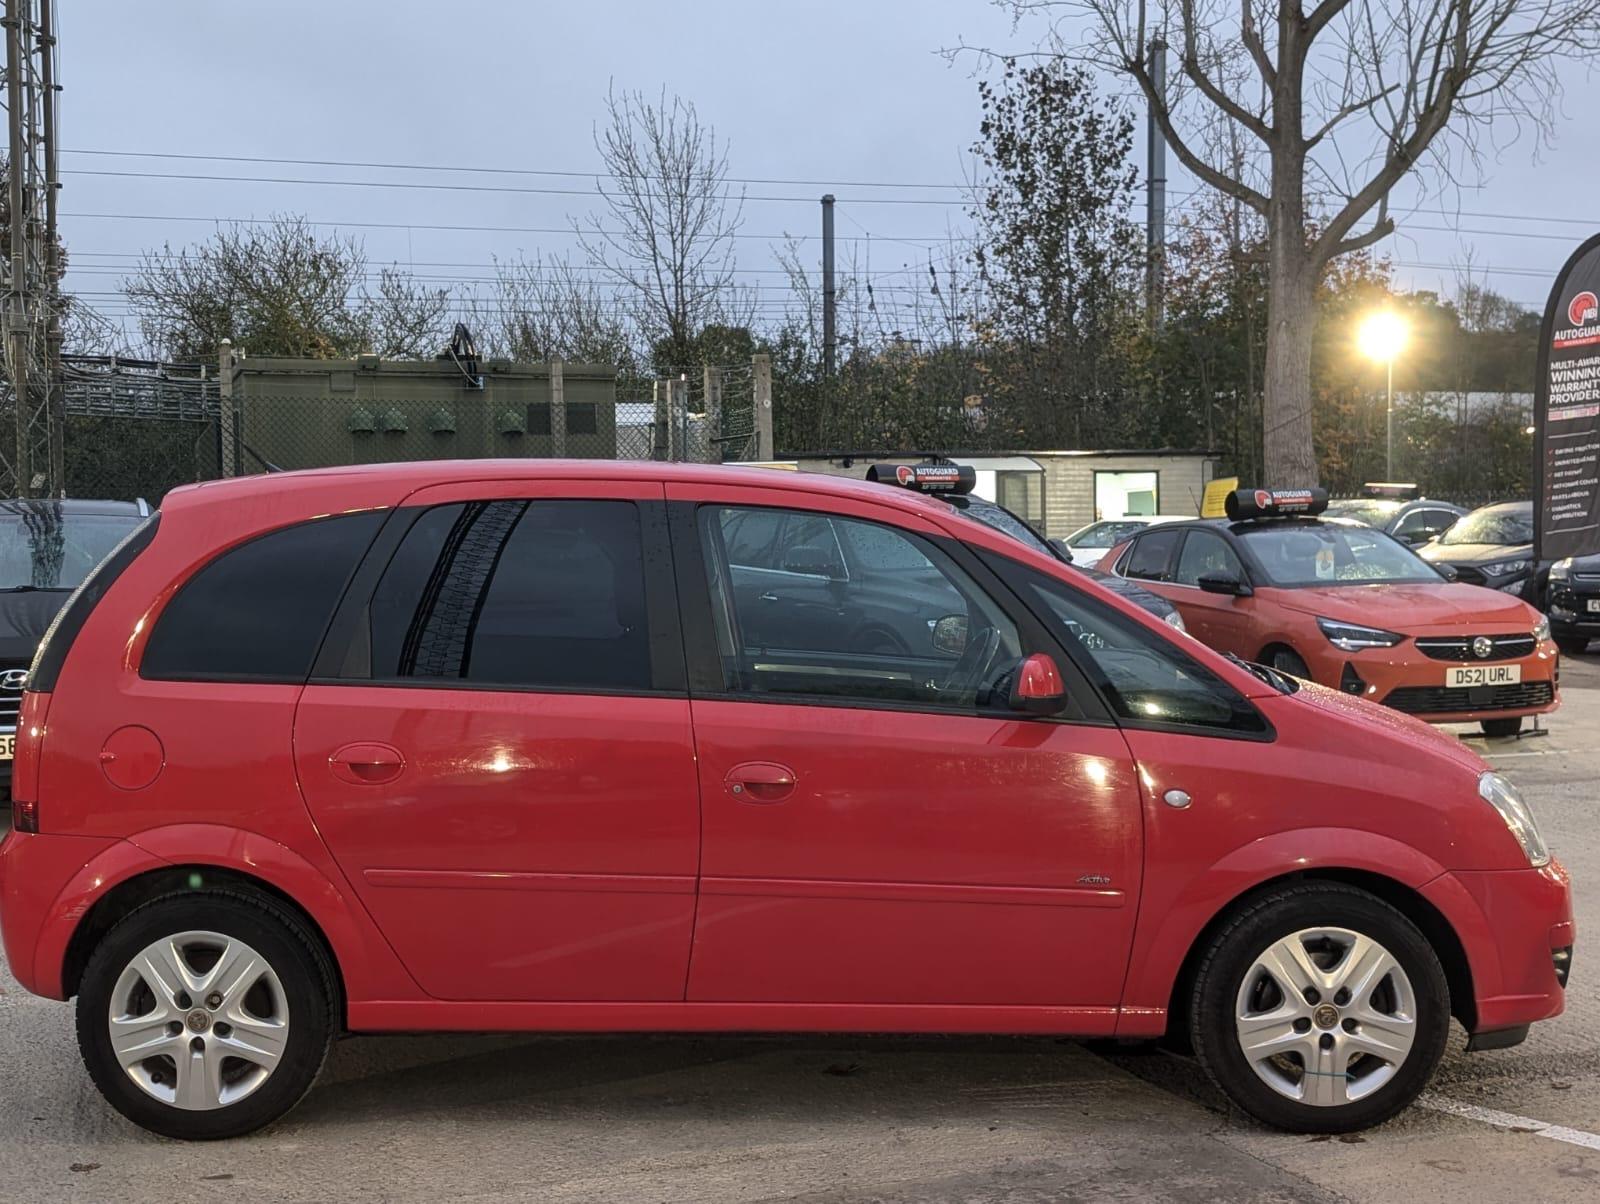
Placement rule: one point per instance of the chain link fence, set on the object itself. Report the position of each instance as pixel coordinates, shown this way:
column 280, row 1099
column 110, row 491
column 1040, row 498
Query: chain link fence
column 138, row 432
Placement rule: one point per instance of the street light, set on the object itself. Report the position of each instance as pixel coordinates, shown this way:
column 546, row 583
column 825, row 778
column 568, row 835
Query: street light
column 1383, row 336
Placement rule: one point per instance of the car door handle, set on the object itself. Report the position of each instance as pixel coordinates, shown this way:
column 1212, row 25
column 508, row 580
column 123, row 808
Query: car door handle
column 367, row 764
column 760, row 782
column 769, row 596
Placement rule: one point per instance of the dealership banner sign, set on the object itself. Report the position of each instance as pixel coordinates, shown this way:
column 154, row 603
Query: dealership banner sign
column 1566, row 413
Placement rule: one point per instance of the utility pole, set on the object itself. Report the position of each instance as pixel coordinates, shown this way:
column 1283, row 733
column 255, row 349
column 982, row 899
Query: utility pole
column 830, row 298
column 55, row 398
column 30, row 455
column 1156, row 193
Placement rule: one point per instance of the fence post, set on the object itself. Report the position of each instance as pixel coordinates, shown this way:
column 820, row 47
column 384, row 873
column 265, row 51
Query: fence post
column 711, row 429
column 762, row 384
column 558, row 408
column 226, row 465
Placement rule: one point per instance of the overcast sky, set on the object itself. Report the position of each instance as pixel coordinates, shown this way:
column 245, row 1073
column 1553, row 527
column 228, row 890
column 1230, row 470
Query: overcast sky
column 829, row 92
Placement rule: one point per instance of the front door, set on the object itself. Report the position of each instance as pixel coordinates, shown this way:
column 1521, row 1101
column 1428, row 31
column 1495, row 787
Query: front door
column 503, row 764
column 878, row 829
column 1220, row 621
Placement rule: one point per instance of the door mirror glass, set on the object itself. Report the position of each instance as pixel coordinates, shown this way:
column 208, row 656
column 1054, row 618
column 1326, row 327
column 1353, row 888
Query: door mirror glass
column 1224, row 583
column 950, row 635
column 1036, row 686
column 811, row 560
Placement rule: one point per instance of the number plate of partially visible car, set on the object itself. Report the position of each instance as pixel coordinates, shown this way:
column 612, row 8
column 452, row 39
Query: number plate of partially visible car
column 1483, row 675
column 1594, row 605
column 8, row 746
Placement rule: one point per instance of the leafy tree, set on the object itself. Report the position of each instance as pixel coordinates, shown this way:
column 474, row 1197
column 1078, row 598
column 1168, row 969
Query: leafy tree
column 1058, row 254
column 280, row 288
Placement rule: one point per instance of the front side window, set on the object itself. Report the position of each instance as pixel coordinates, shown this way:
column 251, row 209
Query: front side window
column 524, row 594
column 906, row 625
column 1206, row 554
column 1333, row 554
column 259, row 611
column 1147, row 679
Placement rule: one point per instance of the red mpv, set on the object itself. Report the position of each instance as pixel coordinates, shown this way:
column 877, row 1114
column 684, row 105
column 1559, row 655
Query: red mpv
column 594, row 746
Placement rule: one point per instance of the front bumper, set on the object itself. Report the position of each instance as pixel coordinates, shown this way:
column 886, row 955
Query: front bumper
column 1408, row 680
column 1570, row 613
column 1512, row 925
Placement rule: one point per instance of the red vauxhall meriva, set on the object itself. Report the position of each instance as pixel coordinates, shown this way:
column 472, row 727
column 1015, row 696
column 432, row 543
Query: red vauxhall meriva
column 558, row 746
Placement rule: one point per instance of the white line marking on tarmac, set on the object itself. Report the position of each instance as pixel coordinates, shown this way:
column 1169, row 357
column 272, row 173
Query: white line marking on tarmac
column 1510, row 1120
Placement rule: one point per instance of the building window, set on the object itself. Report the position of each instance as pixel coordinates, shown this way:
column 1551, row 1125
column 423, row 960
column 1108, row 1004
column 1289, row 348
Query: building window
column 582, row 418
column 538, row 418
column 1125, row 494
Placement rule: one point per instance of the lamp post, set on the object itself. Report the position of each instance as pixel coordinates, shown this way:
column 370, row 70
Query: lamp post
column 1382, row 337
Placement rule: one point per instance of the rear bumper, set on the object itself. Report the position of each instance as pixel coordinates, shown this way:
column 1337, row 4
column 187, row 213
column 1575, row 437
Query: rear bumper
column 1512, row 924
column 34, row 872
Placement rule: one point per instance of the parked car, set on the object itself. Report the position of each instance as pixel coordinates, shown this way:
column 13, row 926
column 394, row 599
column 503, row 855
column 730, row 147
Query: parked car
column 47, row 547
column 957, row 492
column 1398, row 510
column 1088, row 545
column 1342, row 604
column 489, row 745
column 1492, row 546
column 1573, row 601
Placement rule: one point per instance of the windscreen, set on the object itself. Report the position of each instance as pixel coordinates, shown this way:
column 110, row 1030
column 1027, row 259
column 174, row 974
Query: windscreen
column 42, row 547
column 1104, row 534
column 1330, row 554
column 1375, row 512
column 1507, row 526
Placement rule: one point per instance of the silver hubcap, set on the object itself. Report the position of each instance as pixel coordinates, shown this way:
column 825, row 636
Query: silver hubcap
column 199, row 1020
column 1326, row 1016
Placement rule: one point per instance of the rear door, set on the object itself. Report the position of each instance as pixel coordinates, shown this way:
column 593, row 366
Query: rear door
column 497, row 748
column 878, row 829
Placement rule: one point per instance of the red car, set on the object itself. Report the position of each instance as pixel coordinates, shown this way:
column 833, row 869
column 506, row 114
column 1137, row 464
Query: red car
column 491, row 746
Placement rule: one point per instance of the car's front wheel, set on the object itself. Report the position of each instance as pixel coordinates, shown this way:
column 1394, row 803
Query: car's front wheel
column 1572, row 645
column 1502, row 729
column 1319, row 1008
column 205, row 1015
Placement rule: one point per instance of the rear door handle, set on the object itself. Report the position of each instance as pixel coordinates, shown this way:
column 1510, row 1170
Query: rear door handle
column 367, row 764
column 760, row 782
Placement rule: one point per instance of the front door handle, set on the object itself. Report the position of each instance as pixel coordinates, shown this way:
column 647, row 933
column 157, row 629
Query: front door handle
column 769, row 596
column 367, row 764
column 760, row 782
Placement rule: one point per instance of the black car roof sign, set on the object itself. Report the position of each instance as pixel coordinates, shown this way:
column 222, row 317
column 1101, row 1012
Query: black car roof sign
column 1391, row 490
column 942, row 477
column 1275, row 503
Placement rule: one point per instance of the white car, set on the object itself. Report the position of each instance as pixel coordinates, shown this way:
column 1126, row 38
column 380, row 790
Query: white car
column 1087, row 545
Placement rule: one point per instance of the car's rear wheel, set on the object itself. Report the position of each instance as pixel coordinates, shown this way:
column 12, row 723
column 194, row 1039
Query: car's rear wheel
column 1318, row 1008
column 1502, row 728
column 205, row 1015
column 1572, row 645
column 1287, row 660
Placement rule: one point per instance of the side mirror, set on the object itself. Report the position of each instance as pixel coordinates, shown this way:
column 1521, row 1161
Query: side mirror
column 950, row 634
column 1447, row 571
column 1223, row 583
column 1036, row 686
column 812, row 561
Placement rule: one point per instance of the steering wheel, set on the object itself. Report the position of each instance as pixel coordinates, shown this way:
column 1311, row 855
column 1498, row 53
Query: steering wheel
column 973, row 664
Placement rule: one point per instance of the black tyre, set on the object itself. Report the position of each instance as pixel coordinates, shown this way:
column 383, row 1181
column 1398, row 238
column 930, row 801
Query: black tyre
column 1318, row 1008
column 1572, row 645
column 206, row 1015
column 1287, row 660
column 1502, row 728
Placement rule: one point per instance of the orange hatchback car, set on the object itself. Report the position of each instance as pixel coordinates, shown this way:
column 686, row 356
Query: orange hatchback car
column 1348, row 607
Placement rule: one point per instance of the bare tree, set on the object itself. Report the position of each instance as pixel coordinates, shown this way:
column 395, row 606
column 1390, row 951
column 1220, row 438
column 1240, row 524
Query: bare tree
column 541, row 310
column 666, row 234
column 404, row 319
column 1338, row 104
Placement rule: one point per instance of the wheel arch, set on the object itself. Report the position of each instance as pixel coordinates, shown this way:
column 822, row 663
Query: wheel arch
column 1407, row 900
column 195, row 878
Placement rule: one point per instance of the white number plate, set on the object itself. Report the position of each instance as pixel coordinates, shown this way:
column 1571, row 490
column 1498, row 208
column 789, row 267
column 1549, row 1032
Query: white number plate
column 8, row 746
column 1483, row 675
column 1594, row 605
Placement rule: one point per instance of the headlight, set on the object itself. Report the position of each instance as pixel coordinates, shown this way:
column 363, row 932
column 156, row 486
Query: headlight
column 1507, row 799
column 1561, row 569
column 1541, row 629
column 1352, row 637
column 1506, row 567
column 1174, row 619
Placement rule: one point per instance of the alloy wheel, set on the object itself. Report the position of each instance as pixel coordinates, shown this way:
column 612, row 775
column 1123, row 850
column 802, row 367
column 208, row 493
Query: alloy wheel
column 198, row 1020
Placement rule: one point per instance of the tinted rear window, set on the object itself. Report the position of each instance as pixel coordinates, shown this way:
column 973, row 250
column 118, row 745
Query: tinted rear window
column 259, row 611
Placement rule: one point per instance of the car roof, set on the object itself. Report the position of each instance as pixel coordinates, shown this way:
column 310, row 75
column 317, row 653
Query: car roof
column 74, row 505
